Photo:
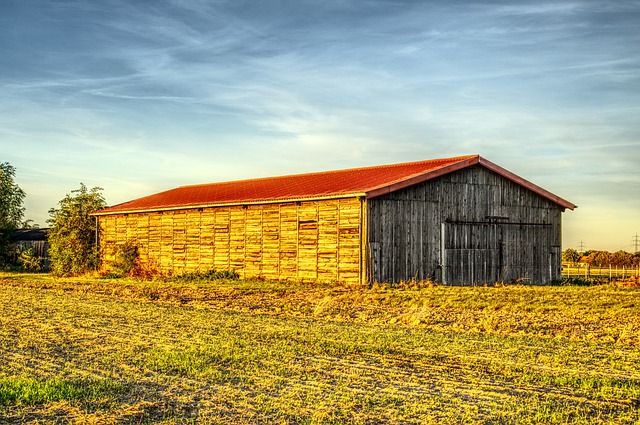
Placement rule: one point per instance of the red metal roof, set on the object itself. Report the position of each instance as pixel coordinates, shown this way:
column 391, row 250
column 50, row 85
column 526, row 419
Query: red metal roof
column 368, row 182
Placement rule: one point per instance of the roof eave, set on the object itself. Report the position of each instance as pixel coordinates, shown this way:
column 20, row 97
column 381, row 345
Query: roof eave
column 526, row 183
column 227, row 204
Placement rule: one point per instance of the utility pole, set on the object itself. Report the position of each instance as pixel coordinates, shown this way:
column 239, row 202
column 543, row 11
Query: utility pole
column 582, row 245
column 636, row 241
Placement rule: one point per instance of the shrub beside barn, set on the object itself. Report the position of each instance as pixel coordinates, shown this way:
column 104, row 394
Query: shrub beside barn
column 460, row 221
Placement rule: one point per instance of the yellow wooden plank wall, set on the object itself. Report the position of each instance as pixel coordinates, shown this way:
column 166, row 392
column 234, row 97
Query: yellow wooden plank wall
column 305, row 241
column 288, row 261
column 206, row 237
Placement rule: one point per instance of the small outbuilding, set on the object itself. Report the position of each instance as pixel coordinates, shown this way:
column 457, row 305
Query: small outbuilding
column 459, row 221
column 31, row 238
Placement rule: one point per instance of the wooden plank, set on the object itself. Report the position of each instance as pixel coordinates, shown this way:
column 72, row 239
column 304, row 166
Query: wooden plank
column 270, row 241
column 237, row 221
column 155, row 241
column 405, row 226
column 166, row 243
column 207, row 225
column 253, row 241
column 221, row 239
column 193, row 262
column 308, row 241
column 288, row 244
column 179, row 242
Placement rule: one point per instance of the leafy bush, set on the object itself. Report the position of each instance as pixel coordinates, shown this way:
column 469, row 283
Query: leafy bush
column 578, row 281
column 126, row 259
column 30, row 261
column 72, row 237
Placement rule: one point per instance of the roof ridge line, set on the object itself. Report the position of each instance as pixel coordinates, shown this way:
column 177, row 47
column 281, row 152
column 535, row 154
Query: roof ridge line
column 342, row 170
column 462, row 162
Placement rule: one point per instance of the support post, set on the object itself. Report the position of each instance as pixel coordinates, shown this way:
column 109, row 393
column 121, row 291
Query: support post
column 443, row 256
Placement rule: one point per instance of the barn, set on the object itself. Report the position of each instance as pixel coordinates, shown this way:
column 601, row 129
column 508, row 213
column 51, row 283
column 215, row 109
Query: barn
column 459, row 221
column 34, row 238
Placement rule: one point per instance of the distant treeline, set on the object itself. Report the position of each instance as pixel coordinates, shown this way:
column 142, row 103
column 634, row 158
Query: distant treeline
column 602, row 258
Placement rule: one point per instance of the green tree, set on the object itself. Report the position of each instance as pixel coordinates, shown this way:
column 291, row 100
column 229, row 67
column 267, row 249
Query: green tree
column 599, row 258
column 570, row 255
column 11, row 209
column 622, row 259
column 72, row 237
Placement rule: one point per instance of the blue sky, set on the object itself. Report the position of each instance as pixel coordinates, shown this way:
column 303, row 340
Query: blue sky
column 141, row 96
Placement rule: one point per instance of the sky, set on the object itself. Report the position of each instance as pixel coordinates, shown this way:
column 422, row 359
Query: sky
column 138, row 97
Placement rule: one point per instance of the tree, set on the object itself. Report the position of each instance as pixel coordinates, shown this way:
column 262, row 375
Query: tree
column 598, row 258
column 72, row 238
column 11, row 209
column 570, row 255
column 622, row 259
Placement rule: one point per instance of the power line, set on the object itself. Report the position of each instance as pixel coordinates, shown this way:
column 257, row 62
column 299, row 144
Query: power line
column 582, row 245
column 636, row 241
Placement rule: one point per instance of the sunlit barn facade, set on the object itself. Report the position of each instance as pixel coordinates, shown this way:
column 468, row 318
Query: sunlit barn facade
column 460, row 221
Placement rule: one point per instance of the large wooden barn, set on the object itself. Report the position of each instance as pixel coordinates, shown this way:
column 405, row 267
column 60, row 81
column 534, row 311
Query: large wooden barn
column 460, row 221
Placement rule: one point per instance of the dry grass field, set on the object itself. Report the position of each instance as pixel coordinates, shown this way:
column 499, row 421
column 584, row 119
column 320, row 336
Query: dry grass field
column 101, row 351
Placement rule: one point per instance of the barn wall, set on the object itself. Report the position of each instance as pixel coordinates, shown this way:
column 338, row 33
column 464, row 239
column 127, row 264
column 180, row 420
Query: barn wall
column 491, row 230
column 307, row 241
column 40, row 249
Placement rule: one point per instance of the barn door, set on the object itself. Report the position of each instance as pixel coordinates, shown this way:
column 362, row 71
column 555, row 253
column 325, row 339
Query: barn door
column 530, row 253
column 471, row 253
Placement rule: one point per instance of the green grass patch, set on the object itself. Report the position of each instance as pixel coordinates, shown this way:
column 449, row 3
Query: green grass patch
column 206, row 276
column 28, row 391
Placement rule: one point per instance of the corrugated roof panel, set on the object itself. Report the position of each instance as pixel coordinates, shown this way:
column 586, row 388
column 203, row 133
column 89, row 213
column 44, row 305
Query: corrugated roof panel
column 367, row 181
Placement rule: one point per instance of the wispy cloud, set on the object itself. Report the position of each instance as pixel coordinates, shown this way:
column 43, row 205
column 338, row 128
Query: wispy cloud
column 121, row 91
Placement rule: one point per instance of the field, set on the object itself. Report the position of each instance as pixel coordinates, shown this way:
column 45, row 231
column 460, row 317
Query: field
column 610, row 273
column 106, row 351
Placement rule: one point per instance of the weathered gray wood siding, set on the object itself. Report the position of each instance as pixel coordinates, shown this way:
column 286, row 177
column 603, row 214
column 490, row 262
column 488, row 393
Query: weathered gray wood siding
column 468, row 227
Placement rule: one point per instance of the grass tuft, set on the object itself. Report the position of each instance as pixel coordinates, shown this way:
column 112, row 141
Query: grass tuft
column 208, row 275
column 19, row 390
